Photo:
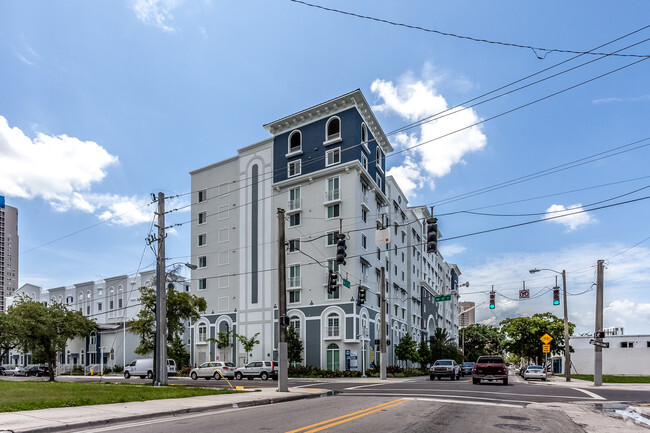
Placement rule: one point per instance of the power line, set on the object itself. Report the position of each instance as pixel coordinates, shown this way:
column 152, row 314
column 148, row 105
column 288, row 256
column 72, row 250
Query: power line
column 487, row 41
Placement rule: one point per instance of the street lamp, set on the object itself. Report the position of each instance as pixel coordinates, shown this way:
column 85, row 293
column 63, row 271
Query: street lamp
column 567, row 351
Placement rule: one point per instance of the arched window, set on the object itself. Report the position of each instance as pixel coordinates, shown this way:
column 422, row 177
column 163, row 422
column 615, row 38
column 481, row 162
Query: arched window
column 295, row 142
column 333, row 329
column 364, row 133
column 202, row 331
column 111, row 301
column 333, row 356
column 333, row 131
column 295, row 322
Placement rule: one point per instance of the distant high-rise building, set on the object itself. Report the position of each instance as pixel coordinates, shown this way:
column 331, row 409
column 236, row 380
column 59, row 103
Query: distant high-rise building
column 614, row 330
column 466, row 315
column 8, row 252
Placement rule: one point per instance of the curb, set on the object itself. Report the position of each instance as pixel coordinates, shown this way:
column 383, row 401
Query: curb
column 173, row 413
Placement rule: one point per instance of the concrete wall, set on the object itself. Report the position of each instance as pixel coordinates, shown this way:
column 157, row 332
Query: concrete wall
column 617, row 359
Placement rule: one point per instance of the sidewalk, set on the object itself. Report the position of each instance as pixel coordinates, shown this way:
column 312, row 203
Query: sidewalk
column 52, row 420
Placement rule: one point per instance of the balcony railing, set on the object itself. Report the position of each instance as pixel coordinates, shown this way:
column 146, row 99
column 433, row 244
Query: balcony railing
column 332, row 194
column 294, row 204
column 294, row 281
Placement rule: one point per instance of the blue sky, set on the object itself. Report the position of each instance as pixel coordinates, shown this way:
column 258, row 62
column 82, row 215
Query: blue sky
column 103, row 103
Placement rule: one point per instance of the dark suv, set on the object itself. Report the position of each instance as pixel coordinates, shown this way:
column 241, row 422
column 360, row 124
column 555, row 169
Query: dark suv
column 261, row 369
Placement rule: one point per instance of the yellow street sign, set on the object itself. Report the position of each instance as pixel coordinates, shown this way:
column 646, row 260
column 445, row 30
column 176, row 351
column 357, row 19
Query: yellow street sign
column 546, row 338
column 546, row 348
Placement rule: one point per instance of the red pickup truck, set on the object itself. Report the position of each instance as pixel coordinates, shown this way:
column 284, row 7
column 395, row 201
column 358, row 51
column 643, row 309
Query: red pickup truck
column 489, row 368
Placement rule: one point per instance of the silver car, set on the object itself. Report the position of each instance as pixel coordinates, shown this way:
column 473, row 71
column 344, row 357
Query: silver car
column 261, row 369
column 214, row 369
column 16, row 371
column 535, row 372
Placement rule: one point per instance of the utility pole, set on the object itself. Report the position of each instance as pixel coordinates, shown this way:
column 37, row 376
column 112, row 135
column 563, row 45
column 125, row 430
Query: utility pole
column 160, row 356
column 598, row 351
column 382, row 343
column 283, row 320
column 567, row 347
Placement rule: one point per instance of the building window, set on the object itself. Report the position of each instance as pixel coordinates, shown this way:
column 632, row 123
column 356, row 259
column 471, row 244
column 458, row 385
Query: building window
column 294, row 219
column 203, row 194
column 295, row 322
column 332, row 238
column 333, row 325
column 627, row 344
column 333, row 192
column 294, row 168
column 333, row 129
column 294, row 198
column 294, row 245
column 295, row 142
column 203, row 217
column 364, row 242
column 364, row 215
column 364, row 137
column 380, row 159
column 88, row 310
column 223, row 212
column 203, row 261
column 110, row 304
column 333, row 356
column 99, row 306
column 294, row 276
column 203, row 239
column 203, row 333
column 334, row 211
column 378, row 253
column 333, row 156
column 203, row 283
column 378, row 180
column 294, row 296
column 364, row 161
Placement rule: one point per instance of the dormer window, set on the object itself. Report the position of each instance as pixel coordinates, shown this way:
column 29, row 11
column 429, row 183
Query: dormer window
column 295, row 142
column 333, row 130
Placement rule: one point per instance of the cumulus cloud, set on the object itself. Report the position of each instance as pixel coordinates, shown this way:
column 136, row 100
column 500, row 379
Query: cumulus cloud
column 157, row 13
column 61, row 170
column 628, row 314
column 439, row 146
column 571, row 217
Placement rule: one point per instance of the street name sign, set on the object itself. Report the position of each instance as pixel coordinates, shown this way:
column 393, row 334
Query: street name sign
column 599, row 343
column 546, row 338
column 442, row 298
column 346, row 283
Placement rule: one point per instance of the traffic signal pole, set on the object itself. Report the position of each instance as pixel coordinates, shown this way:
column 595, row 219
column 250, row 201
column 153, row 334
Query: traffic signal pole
column 283, row 356
column 598, row 350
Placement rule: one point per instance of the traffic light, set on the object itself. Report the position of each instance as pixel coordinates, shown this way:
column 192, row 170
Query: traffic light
column 332, row 281
column 361, row 296
column 432, row 235
column 492, row 303
column 340, row 250
column 556, row 296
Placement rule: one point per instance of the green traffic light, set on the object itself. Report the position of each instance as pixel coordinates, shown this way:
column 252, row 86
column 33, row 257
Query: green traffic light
column 491, row 306
column 556, row 302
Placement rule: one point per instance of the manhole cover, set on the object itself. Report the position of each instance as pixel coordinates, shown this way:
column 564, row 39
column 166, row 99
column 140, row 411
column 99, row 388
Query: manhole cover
column 518, row 427
column 515, row 418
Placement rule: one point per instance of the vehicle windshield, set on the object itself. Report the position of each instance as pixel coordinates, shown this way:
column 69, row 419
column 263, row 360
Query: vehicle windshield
column 442, row 363
column 468, row 364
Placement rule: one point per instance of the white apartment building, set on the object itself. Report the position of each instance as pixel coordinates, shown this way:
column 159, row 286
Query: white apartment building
column 325, row 167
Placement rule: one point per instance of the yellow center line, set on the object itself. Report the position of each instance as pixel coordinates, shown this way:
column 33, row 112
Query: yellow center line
column 349, row 417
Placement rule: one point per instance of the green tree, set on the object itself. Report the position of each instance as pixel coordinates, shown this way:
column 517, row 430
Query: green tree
column 9, row 332
column 407, row 349
column 222, row 341
column 424, row 354
column 443, row 346
column 481, row 340
column 294, row 346
column 522, row 334
column 248, row 343
column 181, row 307
column 45, row 330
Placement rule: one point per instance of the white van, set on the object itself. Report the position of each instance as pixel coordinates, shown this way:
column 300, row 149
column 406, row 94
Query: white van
column 144, row 368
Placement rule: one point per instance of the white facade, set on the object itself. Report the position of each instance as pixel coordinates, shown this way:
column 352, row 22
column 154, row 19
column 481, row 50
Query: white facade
column 626, row 355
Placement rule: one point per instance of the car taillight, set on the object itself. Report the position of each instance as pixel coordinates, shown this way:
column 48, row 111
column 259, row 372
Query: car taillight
column 225, row 368
column 272, row 366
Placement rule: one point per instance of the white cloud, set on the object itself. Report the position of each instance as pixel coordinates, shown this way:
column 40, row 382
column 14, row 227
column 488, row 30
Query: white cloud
column 157, row 13
column 626, row 280
column 415, row 99
column 61, row 170
column 450, row 250
column 572, row 220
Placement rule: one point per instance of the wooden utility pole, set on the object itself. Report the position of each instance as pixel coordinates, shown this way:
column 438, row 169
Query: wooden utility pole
column 598, row 350
column 160, row 356
column 283, row 357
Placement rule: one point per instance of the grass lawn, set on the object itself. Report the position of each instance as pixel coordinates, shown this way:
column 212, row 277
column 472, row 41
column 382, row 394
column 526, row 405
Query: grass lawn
column 15, row 396
column 609, row 378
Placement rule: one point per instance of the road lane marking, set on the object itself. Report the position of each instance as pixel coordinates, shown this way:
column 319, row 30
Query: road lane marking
column 347, row 418
column 590, row 394
column 462, row 393
column 475, row 403
column 365, row 386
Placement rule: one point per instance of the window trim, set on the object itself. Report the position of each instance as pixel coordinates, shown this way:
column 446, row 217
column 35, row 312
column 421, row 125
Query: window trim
column 297, row 163
column 335, row 151
column 294, row 152
column 333, row 139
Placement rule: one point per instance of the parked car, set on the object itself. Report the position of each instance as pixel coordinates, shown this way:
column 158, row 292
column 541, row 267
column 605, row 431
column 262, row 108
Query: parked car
column 211, row 369
column 144, row 368
column 445, row 368
column 466, row 368
column 261, row 369
column 37, row 370
column 535, row 372
column 16, row 371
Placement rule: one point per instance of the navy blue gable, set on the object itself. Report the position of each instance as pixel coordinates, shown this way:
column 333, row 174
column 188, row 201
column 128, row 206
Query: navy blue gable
column 312, row 152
